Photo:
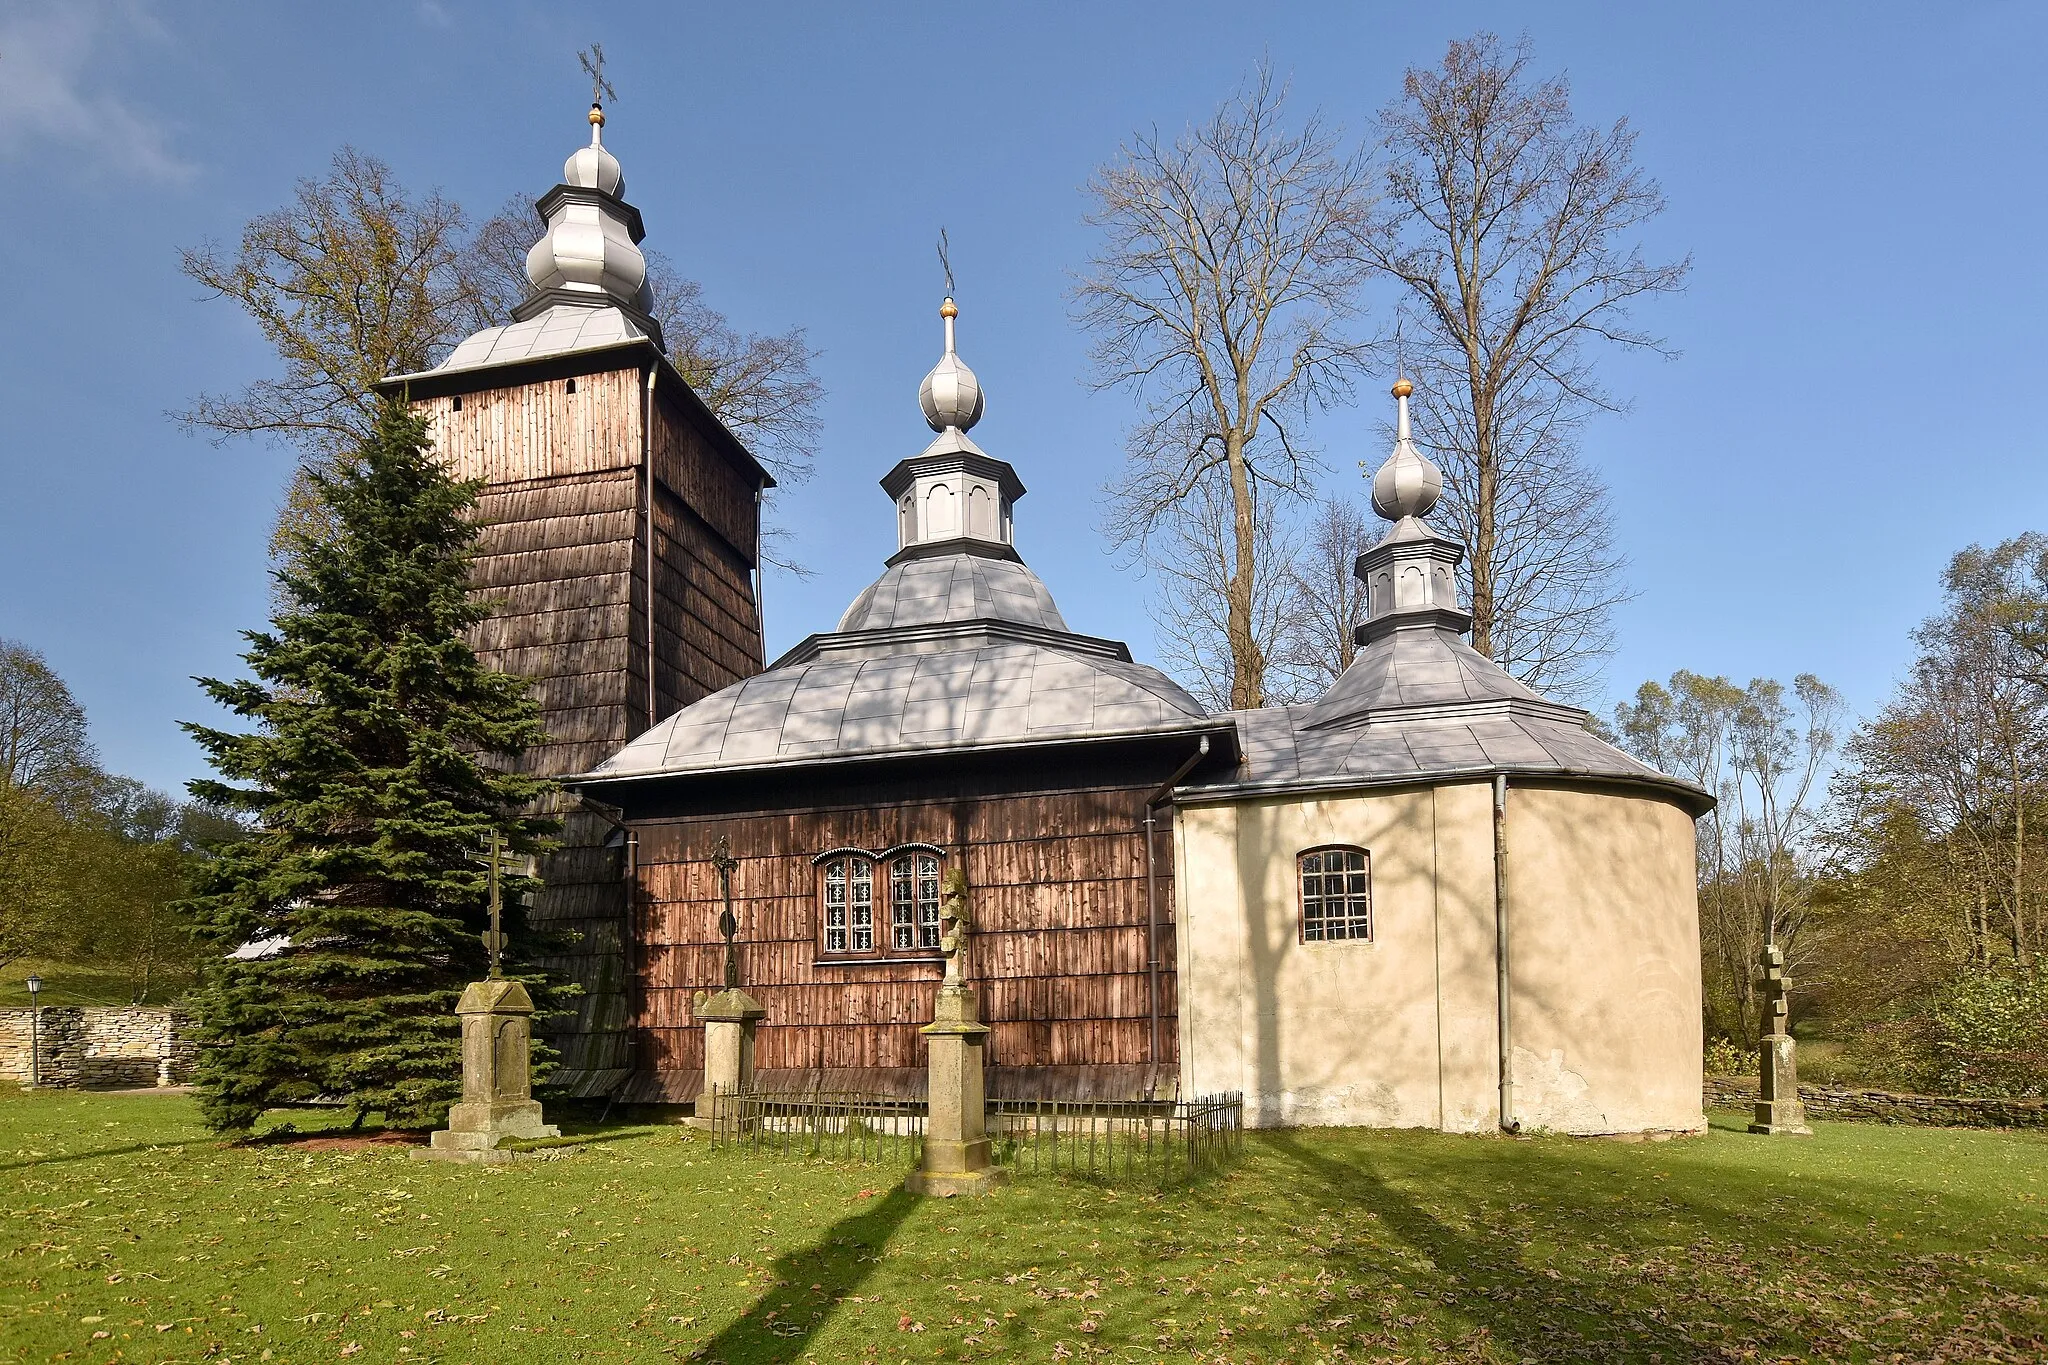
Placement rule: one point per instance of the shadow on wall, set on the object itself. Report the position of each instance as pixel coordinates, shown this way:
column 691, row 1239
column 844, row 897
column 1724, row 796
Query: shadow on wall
column 1386, row 1006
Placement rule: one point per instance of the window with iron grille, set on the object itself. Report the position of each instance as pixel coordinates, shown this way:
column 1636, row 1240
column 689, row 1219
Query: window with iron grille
column 849, row 893
column 1336, row 894
column 914, row 901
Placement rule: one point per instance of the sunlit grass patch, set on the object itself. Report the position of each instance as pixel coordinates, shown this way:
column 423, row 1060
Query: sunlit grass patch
column 124, row 1218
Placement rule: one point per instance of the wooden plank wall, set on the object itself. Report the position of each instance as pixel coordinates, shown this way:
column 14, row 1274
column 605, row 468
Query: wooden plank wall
column 563, row 552
column 1059, row 951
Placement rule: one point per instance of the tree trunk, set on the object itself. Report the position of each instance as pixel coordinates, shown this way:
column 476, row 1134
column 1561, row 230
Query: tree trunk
column 1247, row 668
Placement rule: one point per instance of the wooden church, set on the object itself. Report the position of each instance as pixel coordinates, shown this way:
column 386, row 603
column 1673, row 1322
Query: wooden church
column 1430, row 898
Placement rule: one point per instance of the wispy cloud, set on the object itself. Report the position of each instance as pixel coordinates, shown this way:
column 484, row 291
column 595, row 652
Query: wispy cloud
column 54, row 95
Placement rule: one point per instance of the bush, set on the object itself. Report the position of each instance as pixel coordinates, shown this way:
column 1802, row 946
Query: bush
column 1724, row 1058
column 1990, row 1034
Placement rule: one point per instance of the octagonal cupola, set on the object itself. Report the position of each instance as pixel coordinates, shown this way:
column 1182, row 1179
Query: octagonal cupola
column 590, row 254
column 1411, row 576
column 953, row 496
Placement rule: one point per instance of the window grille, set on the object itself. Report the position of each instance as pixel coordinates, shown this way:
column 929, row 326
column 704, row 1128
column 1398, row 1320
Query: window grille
column 1336, row 894
column 849, row 905
column 914, row 901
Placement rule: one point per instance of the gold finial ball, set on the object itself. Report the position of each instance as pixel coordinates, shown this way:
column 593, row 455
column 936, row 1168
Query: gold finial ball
column 597, row 114
column 1402, row 388
column 948, row 310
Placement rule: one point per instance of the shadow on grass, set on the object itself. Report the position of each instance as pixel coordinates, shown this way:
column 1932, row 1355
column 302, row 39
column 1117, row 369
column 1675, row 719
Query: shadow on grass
column 129, row 1150
column 781, row 1323
column 1517, row 1307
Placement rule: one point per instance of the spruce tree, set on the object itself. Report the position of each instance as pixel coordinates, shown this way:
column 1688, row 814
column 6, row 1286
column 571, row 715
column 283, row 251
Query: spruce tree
column 374, row 770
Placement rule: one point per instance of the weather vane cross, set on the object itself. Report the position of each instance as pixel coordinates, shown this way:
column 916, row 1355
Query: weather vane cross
column 593, row 66
column 946, row 262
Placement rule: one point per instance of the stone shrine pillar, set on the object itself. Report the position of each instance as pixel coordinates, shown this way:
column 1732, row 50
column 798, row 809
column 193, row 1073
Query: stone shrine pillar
column 1778, row 1110
column 729, row 1019
column 956, row 1145
column 497, row 1076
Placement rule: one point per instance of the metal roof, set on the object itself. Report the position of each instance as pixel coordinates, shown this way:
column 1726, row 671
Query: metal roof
column 1420, row 705
column 985, row 691
column 953, row 588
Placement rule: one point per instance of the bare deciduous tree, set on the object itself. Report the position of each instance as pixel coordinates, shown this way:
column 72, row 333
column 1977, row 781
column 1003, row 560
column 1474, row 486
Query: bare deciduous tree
column 1509, row 228
column 1228, row 267
column 1329, row 601
column 1194, row 561
column 1555, row 575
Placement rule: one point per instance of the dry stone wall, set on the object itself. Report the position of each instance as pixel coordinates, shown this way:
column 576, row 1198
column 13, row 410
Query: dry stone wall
column 1885, row 1106
column 97, row 1047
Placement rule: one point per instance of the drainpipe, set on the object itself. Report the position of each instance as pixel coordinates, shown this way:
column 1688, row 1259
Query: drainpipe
column 1152, row 805
column 636, row 938
column 1508, row 1122
column 760, row 579
column 647, row 467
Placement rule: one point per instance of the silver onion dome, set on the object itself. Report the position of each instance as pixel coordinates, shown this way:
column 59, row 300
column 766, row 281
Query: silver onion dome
column 1408, row 484
column 589, row 247
column 594, row 167
column 950, row 395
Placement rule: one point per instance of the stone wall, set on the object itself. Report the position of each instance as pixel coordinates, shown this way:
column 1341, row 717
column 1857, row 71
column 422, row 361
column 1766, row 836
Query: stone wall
column 1884, row 1106
column 98, row 1047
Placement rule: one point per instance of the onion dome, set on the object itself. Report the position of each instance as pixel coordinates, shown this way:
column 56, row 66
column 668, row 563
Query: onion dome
column 593, row 167
column 1411, row 576
column 590, row 252
column 953, row 496
column 950, row 395
column 1408, row 484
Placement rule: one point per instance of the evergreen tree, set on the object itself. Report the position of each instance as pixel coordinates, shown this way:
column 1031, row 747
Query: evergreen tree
column 369, row 771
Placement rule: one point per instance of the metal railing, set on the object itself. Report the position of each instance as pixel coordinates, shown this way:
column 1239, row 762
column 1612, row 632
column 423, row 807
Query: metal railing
column 1136, row 1141
column 1120, row 1141
column 835, row 1125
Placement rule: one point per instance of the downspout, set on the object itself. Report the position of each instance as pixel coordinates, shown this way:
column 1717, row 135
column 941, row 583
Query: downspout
column 635, row 940
column 1152, row 805
column 760, row 580
column 1508, row 1122
column 647, row 466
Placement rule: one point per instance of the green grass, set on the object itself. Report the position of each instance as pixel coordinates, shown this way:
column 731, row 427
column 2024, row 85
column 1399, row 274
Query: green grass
column 123, row 1218
column 76, row 983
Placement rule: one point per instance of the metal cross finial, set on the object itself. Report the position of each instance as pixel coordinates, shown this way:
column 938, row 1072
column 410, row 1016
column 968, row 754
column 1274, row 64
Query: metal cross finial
column 946, row 262
column 728, row 923
column 593, row 66
column 494, row 938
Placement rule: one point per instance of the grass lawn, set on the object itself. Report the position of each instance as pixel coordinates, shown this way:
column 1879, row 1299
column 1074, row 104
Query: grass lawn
column 131, row 1235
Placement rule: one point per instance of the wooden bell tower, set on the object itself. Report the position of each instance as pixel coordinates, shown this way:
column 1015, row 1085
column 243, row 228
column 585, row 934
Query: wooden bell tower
column 621, row 543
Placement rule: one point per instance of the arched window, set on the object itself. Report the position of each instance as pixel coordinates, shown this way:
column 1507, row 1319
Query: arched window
column 914, row 902
column 848, row 887
column 1336, row 894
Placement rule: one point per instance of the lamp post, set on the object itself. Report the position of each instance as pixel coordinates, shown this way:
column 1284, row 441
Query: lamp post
column 35, row 1032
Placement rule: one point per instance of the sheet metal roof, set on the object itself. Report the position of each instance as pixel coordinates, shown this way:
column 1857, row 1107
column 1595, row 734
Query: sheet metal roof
column 1421, row 705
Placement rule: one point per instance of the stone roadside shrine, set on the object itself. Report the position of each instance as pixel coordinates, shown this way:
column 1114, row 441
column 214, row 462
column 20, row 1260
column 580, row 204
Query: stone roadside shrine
column 497, row 1060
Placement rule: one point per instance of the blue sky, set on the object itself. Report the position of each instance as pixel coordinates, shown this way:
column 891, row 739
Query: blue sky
column 1860, row 187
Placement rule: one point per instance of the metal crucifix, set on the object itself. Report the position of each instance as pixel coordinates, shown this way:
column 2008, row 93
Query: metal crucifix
column 494, row 937
column 593, row 67
column 728, row 922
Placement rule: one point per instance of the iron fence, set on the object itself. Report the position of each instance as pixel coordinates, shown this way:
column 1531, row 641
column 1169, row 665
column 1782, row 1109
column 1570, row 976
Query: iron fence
column 835, row 1125
column 1133, row 1141
column 1137, row 1141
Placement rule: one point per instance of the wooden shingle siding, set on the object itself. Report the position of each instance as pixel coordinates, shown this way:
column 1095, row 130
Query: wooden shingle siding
column 563, row 559
column 1059, row 951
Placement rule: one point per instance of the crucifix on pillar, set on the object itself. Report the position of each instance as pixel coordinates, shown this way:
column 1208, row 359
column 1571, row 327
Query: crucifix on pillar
column 729, row 1017
column 494, row 937
column 728, row 923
